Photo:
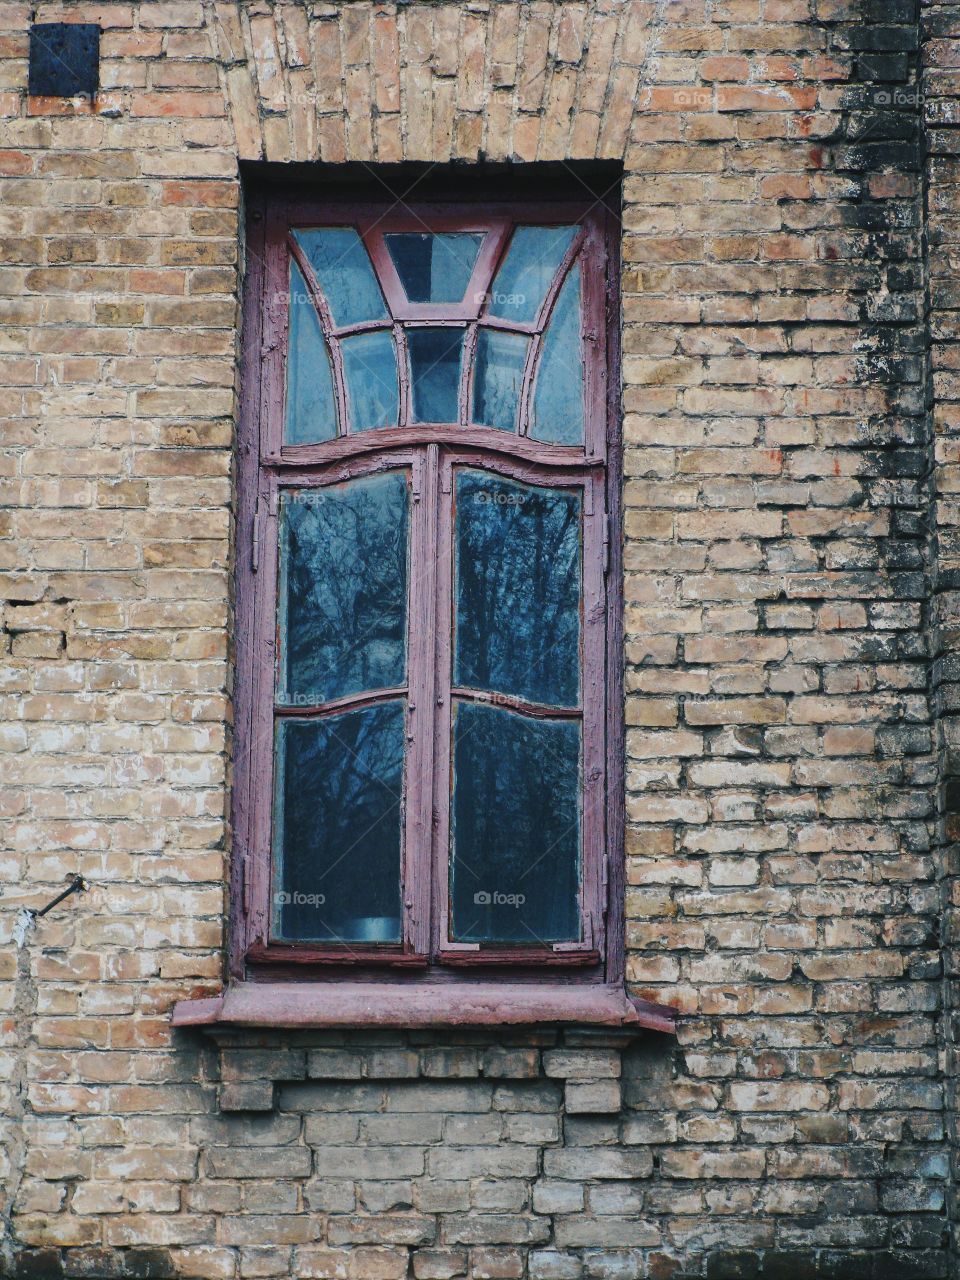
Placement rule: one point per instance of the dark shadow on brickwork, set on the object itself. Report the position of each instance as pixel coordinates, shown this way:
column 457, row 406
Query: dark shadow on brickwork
column 940, row 30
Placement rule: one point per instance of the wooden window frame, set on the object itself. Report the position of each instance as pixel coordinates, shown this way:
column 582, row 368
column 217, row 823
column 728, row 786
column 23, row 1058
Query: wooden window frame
column 264, row 465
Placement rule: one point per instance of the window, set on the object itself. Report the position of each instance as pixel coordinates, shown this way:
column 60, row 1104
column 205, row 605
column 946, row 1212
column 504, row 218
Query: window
column 428, row 704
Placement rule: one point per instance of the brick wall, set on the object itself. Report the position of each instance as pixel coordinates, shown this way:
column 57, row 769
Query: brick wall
column 790, row 548
column 941, row 35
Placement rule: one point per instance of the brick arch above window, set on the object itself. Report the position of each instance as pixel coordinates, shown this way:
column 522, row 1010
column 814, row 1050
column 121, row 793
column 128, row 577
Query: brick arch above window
column 434, row 82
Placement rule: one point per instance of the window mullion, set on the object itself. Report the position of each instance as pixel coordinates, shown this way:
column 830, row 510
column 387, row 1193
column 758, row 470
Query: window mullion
column 403, row 375
column 443, row 702
column 466, row 375
column 422, row 705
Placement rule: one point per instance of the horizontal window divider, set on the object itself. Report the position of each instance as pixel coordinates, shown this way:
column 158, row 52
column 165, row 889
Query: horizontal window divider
column 540, row 710
column 434, row 314
column 363, row 326
column 518, row 957
column 346, row 953
column 509, row 444
column 417, row 322
column 509, row 326
column 348, row 702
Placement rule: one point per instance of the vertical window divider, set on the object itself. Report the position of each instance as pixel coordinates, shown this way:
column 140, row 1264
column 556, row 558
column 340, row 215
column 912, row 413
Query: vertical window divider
column 405, row 409
column 443, row 708
column 274, row 334
column 466, row 373
column 421, row 685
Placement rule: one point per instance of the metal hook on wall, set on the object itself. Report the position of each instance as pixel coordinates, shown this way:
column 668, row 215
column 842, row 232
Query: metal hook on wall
column 28, row 916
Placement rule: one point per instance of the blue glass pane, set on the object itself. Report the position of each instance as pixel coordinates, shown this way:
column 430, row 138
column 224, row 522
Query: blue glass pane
column 517, row 589
column 342, row 266
column 515, row 856
column 343, row 589
column 434, row 268
column 337, row 832
column 558, row 399
column 435, row 356
column 311, row 413
column 532, row 260
column 497, row 378
column 370, row 371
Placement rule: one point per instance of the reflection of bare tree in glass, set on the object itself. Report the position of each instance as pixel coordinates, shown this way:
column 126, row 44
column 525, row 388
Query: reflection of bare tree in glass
column 518, row 629
column 518, row 590
column 342, row 818
column 516, row 825
column 345, row 553
column 346, row 570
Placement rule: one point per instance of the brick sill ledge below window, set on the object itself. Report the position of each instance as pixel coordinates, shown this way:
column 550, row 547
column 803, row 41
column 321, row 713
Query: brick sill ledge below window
column 381, row 1004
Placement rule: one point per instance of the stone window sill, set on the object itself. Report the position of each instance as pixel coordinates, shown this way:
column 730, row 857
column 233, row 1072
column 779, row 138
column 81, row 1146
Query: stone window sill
column 382, row 1004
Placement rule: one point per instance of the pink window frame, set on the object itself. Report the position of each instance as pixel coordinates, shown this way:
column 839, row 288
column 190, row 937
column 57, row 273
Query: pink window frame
column 430, row 452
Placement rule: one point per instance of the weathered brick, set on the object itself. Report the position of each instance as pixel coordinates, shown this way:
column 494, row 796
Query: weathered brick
column 790, row 553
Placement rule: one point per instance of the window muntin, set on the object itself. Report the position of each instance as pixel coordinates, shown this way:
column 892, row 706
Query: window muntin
column 509, row 294
column 478, row 734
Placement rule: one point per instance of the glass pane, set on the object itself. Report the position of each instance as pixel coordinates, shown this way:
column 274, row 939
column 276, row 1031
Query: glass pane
column 337, row 826
column 311, row 413
column 532, row 260
column 435, row 356
column 497, row 376
column 434, row 268
column 370, row 370
column 558, row 399
column 342, row 266
column 343, row 589
column 517, row 589
column 515, row 864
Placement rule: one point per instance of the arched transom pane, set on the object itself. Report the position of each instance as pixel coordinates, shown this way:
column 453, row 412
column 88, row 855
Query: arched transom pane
column 474, row 328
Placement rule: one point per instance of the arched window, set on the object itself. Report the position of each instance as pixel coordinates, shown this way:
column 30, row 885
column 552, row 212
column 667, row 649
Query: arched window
column 428, row 704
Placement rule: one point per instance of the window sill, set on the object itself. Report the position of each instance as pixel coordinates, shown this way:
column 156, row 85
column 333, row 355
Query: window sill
column 382, row 1004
